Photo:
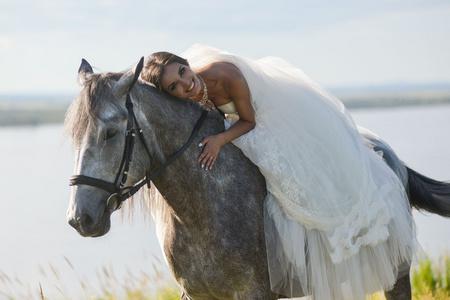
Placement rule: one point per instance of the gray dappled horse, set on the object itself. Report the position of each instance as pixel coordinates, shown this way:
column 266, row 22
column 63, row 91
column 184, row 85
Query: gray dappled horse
column 211, row 222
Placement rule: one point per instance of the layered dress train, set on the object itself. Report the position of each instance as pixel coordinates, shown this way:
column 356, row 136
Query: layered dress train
column 338, row 223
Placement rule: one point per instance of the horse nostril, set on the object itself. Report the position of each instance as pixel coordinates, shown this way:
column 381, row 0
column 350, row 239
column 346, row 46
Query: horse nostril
column 73, row 223
column 86, row 220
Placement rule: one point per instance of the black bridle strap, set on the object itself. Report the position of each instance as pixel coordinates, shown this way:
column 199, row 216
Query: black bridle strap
column 133, row 190
column 122, row 174
column 126, row 192
column 86, row 180
column 129, row 105
column 118, row 190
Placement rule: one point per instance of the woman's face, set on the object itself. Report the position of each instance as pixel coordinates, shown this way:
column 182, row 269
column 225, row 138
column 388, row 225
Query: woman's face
column 180, row 81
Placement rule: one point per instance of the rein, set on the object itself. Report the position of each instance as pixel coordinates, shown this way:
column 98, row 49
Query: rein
column 120, row 192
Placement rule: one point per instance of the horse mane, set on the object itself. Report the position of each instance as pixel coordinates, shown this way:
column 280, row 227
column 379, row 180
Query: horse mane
column 96, row 94
column 83, row 111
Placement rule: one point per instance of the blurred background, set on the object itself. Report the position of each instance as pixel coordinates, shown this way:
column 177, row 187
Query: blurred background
column 387, row 60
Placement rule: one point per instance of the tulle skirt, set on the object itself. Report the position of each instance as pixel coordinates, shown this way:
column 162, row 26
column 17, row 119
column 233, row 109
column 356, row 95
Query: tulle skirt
column 337, row 219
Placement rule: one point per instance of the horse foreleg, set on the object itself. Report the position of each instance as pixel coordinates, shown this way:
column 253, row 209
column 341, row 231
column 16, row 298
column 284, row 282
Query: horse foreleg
column 401, row 290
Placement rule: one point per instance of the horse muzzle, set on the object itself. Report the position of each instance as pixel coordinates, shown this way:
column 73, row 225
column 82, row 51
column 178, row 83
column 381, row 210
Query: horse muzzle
column 89, row 222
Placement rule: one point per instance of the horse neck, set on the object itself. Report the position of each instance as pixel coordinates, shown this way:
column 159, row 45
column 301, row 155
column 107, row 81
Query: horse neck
column 170, row 123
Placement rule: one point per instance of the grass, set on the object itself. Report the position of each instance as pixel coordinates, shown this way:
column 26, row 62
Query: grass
column 429, row 280
column 64, row 282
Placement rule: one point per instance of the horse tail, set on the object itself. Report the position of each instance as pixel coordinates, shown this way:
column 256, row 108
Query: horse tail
column 428, row 194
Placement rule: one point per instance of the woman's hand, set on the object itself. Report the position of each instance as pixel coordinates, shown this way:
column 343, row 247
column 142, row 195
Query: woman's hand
column 211, row 147
column 234, row 88
column 209, row 105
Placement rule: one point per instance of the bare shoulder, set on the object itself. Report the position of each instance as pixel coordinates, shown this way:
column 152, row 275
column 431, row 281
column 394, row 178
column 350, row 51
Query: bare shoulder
column 226, row 69
column 232, row 85
column 231, row 77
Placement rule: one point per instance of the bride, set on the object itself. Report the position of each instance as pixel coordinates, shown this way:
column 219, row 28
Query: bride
column 337, row 220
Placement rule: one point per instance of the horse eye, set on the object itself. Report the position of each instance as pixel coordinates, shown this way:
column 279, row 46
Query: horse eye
column 110, row 133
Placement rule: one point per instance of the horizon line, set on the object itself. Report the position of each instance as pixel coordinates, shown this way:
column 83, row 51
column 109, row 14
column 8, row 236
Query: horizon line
column 382, row 87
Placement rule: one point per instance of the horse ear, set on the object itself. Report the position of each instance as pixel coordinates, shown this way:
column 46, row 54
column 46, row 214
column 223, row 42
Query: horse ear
column 128, row 80
column 84, row 71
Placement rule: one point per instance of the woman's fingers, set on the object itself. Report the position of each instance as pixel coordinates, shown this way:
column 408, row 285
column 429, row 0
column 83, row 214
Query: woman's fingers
column 203, row 145
column 207, row 158
column 207, row 162
column 204, row 156
column 209, row 105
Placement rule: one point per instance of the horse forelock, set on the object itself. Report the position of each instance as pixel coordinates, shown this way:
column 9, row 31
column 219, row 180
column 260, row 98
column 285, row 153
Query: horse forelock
column 84, row 111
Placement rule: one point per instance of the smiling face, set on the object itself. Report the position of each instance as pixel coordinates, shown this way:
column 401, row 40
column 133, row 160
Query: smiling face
column 180, row 81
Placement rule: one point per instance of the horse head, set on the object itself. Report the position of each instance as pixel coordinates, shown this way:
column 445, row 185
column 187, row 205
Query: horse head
column 97, row 122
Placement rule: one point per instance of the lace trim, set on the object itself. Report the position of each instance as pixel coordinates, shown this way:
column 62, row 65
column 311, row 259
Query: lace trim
column 366, row 223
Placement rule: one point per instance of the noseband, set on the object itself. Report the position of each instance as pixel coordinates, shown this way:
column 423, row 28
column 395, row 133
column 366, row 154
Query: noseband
column 119, row 191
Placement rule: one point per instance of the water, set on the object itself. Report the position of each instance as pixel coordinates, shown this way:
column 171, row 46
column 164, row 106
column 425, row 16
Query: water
column 420, row 135
column 35, row 167
column 38, row 246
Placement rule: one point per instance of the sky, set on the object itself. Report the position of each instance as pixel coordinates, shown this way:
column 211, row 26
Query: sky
column 338, row 43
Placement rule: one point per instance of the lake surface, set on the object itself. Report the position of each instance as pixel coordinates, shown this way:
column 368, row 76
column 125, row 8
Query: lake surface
column 39, row 247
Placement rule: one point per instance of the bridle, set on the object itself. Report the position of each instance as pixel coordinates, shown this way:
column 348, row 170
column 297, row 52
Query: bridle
column 119, row 191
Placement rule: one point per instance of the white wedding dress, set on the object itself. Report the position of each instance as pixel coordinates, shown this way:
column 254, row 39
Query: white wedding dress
column 338, row 223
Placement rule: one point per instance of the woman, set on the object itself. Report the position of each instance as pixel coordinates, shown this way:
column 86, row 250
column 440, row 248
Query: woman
column 338, row 221
column 223, row 84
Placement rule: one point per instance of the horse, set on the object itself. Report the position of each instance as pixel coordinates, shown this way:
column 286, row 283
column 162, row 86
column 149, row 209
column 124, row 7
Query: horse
column 210, row 224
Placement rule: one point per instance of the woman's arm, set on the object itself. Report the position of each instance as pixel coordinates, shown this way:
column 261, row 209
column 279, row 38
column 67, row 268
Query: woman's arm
column 239, row 92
